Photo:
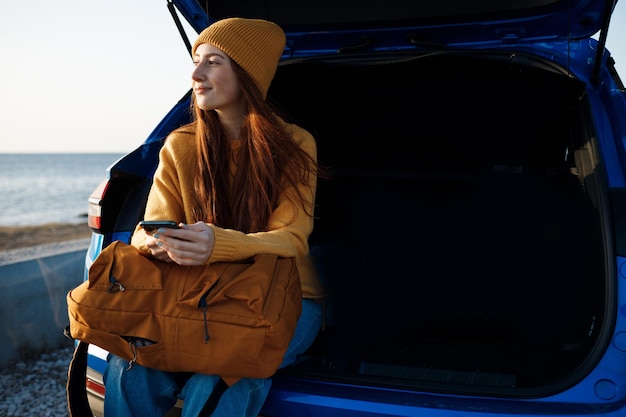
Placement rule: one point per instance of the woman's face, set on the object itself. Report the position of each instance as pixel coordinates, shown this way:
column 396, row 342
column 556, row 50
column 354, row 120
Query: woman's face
column 214, row 82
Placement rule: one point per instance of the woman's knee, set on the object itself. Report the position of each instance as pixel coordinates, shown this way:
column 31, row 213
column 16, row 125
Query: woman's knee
column 308, row 326
column 142, row 388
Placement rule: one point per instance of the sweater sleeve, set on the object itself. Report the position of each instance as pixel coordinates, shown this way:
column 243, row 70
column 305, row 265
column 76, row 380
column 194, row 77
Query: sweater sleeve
column 170, row 187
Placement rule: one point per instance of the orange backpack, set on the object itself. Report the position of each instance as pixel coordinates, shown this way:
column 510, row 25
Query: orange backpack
column 232, row 319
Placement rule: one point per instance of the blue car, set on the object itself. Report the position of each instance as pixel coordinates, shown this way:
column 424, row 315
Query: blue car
column 472, row 231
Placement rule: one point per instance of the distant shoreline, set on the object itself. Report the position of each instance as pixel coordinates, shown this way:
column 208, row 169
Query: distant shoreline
column 16, row 237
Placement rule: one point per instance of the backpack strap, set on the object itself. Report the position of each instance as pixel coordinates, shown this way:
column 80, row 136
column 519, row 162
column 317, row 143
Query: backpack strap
column 211, row 402
column 76, row 388
column 77, row 402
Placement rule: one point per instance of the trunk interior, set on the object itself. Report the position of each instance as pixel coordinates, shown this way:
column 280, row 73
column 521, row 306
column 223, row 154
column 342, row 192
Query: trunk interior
column 458, row 233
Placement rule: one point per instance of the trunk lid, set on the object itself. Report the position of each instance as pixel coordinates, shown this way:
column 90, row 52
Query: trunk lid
column 449, row 22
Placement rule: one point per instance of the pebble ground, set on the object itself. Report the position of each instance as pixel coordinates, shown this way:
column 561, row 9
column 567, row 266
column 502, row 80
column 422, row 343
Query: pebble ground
column 36, row 387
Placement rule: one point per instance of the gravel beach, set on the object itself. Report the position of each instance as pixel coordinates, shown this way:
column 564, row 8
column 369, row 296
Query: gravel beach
column 36, row 388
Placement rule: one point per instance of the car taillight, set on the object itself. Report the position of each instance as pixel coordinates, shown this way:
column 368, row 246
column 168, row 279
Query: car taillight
column 94, row 218
column 95, row 387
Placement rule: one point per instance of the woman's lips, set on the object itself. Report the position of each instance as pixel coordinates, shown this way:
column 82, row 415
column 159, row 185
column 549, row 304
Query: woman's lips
column 201, row 90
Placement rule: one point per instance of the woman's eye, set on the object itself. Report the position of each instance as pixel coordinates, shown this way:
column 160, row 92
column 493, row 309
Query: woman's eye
column 208, row 62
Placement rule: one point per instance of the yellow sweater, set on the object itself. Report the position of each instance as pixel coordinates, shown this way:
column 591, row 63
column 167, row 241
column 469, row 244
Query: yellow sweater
column 289, row 225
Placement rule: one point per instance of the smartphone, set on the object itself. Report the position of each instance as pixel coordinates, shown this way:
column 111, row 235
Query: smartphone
column 152, row 225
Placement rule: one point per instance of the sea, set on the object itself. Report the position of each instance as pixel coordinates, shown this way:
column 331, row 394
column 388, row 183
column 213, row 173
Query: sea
column 38, row 189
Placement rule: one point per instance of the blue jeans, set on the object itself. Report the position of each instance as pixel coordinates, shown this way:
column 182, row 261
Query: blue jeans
column 142, row 392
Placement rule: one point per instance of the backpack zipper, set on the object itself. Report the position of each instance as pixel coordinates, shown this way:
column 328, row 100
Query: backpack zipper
column 202, row 304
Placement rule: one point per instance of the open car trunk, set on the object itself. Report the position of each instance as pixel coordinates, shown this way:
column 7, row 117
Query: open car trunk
column 459, row 233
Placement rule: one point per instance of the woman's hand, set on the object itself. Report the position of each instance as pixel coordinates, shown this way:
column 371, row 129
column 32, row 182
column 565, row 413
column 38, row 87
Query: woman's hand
column 192, row 244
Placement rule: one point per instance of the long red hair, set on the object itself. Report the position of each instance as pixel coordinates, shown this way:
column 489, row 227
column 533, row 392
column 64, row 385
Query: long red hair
column 269, row 162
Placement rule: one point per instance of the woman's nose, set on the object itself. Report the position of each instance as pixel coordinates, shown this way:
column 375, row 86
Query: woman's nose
column 196, row 74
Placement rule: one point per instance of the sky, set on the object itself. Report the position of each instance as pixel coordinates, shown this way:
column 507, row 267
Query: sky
column 87, row 76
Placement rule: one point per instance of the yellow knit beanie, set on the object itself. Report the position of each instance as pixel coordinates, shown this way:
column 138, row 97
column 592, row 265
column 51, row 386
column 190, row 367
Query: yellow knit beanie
column 256, row 45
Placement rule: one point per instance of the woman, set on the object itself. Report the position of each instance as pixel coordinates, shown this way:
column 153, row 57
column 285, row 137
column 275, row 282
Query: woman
column 240, row 181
